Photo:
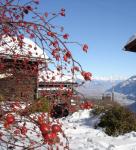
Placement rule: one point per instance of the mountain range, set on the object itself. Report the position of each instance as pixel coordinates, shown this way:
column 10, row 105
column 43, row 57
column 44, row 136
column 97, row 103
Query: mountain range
column 127, row 87
column 124, row 90
column 96, row 88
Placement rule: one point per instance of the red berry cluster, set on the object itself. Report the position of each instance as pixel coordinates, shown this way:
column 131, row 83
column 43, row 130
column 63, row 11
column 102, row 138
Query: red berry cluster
column 86, row 75
column 85, row 48
column 62, row 13
column 67, row 56
column 10, row 119
column 50, row 132
column 65, row 36
column 86, row 105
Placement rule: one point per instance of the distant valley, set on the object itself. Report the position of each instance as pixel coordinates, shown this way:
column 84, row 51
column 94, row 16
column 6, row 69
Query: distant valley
column 124, row 90
column 96, row 88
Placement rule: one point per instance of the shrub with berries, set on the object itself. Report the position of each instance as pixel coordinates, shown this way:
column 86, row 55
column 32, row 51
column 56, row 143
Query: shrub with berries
column 23, row 119
column 86, row 105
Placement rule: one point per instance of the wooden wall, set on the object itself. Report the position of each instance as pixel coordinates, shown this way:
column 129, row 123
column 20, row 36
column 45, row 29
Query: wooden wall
column 21, row 84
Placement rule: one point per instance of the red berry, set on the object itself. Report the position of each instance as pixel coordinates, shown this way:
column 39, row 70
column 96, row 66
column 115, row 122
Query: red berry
column 82, row 106
column 55, row 44
column 65, row 36
column 29, row 8
column 85, row 47
column 62, row 13
column 10, row 118
column 50, row 136
column 6, row 30
column 56, row 128
column 21, row 36
column 23, row 130
column 76, row 68
column 68, row 54
column 86, row 105
column 45, row 128
column 65, row 57
column 86, row 75
column 32, row 36
column 57, row 57
column 49, row 33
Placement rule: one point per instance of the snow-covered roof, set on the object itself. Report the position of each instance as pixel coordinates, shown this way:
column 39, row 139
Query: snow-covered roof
column 52, row 89
column 56, row 75
column 29, row 48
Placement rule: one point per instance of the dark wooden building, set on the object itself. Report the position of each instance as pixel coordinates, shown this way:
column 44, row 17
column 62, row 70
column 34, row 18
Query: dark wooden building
column 18, row 77
column 19, row 80
column 19, row 69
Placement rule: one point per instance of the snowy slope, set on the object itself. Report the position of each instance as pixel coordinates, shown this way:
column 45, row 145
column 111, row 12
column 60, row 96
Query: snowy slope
column 82, row 135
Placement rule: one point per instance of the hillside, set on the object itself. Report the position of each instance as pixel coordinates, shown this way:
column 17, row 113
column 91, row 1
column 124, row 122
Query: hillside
column 127, row 87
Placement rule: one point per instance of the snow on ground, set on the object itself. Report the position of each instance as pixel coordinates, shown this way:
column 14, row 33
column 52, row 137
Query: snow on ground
column 82, row 136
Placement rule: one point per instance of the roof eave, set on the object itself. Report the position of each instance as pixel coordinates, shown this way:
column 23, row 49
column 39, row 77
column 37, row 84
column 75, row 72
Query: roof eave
column 131, row 46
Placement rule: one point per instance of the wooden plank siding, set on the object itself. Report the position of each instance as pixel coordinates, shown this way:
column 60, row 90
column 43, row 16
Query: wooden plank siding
column 20, row 81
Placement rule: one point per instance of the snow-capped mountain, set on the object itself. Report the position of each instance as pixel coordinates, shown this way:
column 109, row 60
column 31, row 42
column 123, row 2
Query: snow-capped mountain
column 127, row 87
column 96, row 87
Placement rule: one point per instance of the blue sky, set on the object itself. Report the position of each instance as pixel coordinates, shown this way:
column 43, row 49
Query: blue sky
column 106, row 26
